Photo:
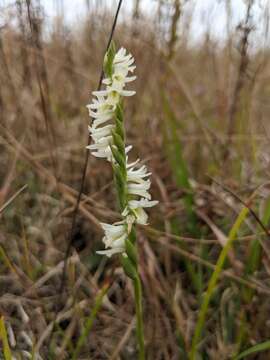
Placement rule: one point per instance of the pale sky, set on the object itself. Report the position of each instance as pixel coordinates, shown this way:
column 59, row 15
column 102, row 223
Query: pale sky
column 208, row 14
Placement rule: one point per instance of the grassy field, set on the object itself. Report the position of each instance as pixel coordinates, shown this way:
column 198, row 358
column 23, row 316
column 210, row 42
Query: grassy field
column 199, row 121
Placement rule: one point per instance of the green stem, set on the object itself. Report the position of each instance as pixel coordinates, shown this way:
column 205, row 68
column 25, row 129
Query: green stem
column 213, row 281
column 130, row 260
column 139, row 316
column 4, row 340
column 90, row 321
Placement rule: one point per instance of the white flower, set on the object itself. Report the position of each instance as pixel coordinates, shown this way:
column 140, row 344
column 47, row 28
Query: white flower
column 104, row 104
column 110, row 252
column 138, row 216
column 118, row 81
column 134, row 204
column 113, row 94
column 140, row 189
column 128, row 148
column 98, row 133
column 122, row 63
column 102, row 110
column 135, row 212
column 137, row 175
column 138, row 186
column 121, row 67
column 122, row 56
column 114, row 239
column 101, row 148
column 132, row 164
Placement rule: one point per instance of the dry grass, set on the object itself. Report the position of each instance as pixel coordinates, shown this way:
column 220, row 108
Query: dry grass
column 200, row 114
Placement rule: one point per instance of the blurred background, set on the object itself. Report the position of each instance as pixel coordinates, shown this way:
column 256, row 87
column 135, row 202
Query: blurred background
column 199, row 120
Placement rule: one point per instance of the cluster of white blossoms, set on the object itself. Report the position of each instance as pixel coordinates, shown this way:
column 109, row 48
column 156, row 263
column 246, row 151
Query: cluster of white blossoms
column 103, row 107
column 137, row 184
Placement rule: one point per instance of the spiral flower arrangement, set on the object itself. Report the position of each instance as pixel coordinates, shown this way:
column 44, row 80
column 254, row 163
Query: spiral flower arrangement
column 131, row 179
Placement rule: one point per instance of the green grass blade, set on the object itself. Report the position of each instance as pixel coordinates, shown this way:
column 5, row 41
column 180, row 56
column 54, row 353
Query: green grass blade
column 4, row 340
column 213, row 281
column 254, row 260
column 254, row 349
column 89, row 322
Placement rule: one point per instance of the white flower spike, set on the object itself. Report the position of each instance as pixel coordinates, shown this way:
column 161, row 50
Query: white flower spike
column 133, row 183
column 103, row 106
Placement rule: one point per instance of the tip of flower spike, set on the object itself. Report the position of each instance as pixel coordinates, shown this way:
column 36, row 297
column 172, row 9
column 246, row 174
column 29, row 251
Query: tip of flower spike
column 108, row 60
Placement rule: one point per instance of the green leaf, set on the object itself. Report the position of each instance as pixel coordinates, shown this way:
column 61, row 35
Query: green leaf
column 254, row 349
column 118, row 142
column 254, row 259
column 119, row 112
column 4, row 340
column 132, row 236
column 266, row 215
column 119, row 128
column 129, row 268
column 89, row 322
column 120, row 176
column 108, row 60
column 213, row 281
column 118, row 157
column 120, row 181
column 131, row 252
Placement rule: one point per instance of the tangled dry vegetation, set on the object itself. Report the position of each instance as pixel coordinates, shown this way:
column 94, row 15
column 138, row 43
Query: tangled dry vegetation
column 200, row 121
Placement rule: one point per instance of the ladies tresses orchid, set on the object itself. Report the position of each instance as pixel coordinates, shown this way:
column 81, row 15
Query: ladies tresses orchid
column 107, row 133
column 103, row 107
column 115, row 236
column 136, row 212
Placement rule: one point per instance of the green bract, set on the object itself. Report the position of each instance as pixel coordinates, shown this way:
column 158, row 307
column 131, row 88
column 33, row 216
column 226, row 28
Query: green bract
column 108, row 61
